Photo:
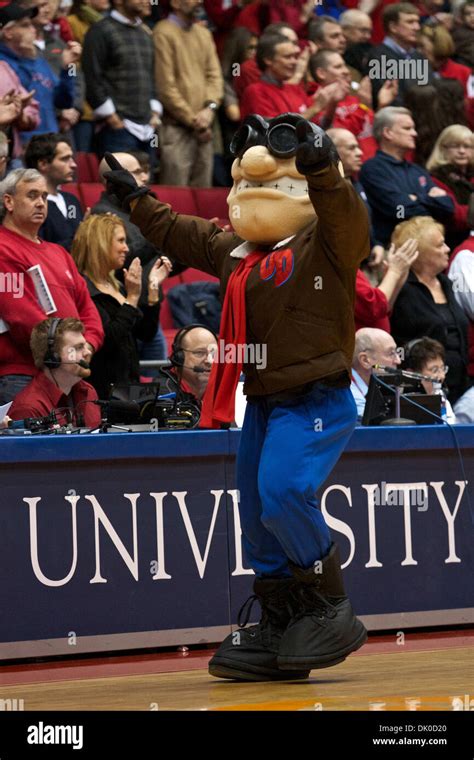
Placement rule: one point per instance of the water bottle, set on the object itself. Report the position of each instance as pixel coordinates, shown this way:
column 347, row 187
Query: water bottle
column 438, row 391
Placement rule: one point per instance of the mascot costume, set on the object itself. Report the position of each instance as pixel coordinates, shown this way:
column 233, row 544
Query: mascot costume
column 287, row 278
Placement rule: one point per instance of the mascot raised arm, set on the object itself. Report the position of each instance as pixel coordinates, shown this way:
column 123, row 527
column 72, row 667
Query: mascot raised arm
column 287, row 278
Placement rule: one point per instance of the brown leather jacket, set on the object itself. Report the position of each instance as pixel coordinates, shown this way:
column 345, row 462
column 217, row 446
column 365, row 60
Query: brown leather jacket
column 306, row 323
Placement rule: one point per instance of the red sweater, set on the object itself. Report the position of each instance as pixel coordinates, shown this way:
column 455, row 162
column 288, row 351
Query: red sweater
column 41, row 396
column 21, row 310
column 351, row 114
column 271, row 100
column 453, row 70
column 371, row 305
column 249, row 73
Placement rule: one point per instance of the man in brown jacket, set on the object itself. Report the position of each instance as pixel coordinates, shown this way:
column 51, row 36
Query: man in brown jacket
column 287, row 282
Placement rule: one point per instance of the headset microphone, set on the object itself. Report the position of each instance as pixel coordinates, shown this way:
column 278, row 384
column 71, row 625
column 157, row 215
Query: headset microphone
column 81, row 363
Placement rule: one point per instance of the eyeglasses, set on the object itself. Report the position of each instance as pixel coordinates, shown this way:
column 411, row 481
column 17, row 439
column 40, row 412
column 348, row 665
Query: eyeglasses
column 437, row 370
column 200, row 353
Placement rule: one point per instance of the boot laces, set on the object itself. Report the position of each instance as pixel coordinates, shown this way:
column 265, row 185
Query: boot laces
column 247, row 610
column 267, row 610
column 314, row 603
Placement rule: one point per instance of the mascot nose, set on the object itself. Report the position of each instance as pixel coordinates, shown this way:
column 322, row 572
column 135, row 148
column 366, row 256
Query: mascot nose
column 257, row 162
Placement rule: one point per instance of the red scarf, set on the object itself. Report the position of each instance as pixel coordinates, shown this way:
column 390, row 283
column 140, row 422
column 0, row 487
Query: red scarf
column 218, row 404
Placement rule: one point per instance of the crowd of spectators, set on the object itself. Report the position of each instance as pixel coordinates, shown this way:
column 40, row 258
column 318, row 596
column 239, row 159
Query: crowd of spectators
column 164, row 86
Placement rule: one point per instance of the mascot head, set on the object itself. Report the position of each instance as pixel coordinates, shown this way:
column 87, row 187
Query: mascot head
column 269, row 199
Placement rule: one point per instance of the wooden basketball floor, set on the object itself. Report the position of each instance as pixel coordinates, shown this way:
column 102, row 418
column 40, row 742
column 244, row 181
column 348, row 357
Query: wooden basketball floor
column 420, row 671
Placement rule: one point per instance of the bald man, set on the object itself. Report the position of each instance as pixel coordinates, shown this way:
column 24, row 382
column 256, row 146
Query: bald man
column 372, row 346
column 138, row 245
column 356, row 26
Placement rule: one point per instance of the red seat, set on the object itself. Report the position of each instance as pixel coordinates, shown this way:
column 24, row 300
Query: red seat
column 72, row 187
column 87, row 167
column 90, row 193
column 212, row 202
column 166, row 320
column 195, row 275
column 181, row 199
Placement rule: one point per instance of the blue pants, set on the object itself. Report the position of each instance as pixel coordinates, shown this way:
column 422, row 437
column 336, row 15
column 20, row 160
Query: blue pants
column 153, row 349
column 286, row 453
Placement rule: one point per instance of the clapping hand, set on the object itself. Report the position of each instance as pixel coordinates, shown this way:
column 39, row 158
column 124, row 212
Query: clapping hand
column 159, row 272
column 132, row 278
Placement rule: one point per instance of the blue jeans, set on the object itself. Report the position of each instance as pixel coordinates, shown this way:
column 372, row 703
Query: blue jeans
column 10, row 385
column 152, row 350
column 286, row 453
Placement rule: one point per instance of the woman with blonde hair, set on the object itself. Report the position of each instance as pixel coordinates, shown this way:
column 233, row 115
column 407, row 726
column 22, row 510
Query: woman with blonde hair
column 100, row 248
column 451, row 165
column 426, row 305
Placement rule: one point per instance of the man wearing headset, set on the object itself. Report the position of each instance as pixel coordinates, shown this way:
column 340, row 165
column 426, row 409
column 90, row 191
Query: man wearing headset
column 61, row 355
column 192, row 354
column 287, row 278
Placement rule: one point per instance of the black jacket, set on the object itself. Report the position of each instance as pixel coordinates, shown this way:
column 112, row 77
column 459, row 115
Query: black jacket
column 380, row 58
column 117, row 361
column 416, row 315
column 57, row 228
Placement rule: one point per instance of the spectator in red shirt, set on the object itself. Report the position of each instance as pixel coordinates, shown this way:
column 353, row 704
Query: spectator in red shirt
column 327, row 34
column 61, row 355
column 249, row 71
column 352, row 111
column 277, row 58
column 58, row 288
column 436, row 43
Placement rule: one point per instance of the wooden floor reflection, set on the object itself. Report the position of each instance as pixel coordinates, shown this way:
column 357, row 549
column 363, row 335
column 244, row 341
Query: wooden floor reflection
column 432, row 672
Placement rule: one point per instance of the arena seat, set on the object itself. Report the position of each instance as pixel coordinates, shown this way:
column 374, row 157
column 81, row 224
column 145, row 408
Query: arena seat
column 72, row 187
column 90, row 193
column 211, row 202
column 195, row 275
column 87, row 167
column 181, row 199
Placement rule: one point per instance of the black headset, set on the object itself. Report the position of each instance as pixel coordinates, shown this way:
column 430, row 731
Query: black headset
column 177, row 353
column 52, row 358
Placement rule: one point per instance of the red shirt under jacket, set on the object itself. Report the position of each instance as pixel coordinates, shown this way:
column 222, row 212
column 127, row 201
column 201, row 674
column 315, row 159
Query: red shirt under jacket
column 269, row 100
column 41, row 395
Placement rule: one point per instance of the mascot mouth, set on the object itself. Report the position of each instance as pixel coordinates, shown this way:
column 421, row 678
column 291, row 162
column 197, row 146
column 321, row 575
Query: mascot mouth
column 285, row 185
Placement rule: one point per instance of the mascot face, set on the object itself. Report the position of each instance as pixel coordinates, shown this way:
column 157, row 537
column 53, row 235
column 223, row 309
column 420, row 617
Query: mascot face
column 269, row 199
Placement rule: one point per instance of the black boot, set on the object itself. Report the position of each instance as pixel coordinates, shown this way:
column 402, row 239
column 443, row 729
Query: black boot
column 250, row 654
column 324, row 629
